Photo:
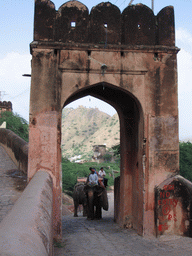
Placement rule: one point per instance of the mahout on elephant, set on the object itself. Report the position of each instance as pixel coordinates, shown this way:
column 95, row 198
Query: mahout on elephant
column 96, row 200
column 79, row 197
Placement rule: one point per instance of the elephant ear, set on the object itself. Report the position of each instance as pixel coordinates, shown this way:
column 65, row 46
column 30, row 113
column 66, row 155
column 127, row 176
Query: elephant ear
column 104, row 200
column 86, row 187
column 99, row 189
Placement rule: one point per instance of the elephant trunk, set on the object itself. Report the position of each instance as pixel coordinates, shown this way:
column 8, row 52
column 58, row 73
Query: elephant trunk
column 104, row 200
column 90, row 204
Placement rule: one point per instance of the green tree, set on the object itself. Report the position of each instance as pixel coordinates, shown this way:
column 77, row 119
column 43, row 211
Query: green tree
column 185, row 149
column 107, row 157
column 15, row 123
column 70, row 172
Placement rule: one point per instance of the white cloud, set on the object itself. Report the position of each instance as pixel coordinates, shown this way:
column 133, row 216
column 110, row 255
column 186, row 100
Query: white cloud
column 184, row 38
column 15, row 86
column 184, row 59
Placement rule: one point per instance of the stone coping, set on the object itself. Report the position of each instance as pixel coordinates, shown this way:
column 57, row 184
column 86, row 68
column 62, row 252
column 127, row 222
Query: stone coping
column 16, row 148
column 27, row 229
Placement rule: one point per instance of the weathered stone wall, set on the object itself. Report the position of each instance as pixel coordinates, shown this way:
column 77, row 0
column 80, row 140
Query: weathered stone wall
column 174, row 207
column 16, row 147
column 136, row 25
column 27, row 229
column 116, row 197
column 128, row 60
column 5, row 106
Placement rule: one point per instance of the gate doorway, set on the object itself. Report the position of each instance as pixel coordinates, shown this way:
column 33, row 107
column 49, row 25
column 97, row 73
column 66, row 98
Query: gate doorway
column 129, row 187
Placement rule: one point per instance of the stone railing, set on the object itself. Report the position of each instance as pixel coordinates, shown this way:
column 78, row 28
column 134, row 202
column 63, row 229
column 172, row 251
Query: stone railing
column 16, row 148
column 27, row 229
column 173, row 205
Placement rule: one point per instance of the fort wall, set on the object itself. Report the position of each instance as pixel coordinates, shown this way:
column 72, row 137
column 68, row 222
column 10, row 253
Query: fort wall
column 136, row 25
column 16, row 148
column 27, row 229
column 128, row 59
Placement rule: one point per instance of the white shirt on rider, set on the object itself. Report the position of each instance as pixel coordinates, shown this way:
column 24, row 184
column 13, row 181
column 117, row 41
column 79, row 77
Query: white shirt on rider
column 102, row 173
column 93, row 178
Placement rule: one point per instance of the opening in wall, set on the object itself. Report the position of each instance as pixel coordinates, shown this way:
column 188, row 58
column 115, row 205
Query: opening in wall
column 73, row 24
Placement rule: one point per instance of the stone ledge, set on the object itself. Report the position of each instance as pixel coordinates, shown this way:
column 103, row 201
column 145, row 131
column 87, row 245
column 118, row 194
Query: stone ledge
column 16, row 148
column 27, row 229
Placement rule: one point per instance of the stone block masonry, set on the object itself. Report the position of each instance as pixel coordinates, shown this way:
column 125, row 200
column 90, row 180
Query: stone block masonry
column 127, row 59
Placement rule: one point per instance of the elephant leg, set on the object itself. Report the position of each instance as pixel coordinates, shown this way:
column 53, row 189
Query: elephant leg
column 84, row 210
column 90, row 214
column 90, row 205
column 75, row 209
column 91, row 211
column 98, row 213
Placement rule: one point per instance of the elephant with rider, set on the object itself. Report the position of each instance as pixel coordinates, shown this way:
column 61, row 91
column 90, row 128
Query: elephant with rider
column 96, row 196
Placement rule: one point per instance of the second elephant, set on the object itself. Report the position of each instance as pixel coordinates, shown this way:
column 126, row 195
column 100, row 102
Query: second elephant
column 79, row 197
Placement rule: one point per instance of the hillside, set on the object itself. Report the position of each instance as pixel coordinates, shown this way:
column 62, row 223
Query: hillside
column 84, row 127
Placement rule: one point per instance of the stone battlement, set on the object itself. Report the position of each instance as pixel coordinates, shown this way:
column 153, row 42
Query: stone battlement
column 105, row 24
column 5, row 106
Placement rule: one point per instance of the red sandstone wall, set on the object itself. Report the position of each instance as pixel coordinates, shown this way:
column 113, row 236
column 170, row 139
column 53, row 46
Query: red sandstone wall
column 138, row 48
column 136, row 25
column 174, row 207
column 16, row 148
column 27, row 229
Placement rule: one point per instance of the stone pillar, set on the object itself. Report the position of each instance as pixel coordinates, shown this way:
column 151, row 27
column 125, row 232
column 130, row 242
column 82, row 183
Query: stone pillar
column 161, row 131
column 45, row 126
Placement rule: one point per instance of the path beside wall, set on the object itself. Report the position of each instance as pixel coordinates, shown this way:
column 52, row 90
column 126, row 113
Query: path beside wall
column 16, row 148
column 11, row 183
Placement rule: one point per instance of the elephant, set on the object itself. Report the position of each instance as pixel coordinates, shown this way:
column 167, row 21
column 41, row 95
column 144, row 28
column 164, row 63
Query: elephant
column 96, row 198
column 79, row 197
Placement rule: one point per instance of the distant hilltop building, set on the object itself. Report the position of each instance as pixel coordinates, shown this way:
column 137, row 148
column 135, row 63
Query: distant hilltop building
column 5, row 106
column 98, row 153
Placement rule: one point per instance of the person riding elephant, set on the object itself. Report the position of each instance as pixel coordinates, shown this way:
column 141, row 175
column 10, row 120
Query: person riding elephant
column 79, row 197
column 96, row 198
column 93, row 177
column 102, row 174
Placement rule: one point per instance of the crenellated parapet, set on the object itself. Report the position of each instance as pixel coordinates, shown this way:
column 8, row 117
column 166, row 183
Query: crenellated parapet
column 105, row 24
column 5, row 106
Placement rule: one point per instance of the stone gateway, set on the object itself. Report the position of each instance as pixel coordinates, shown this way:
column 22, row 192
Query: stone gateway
column 126, row 59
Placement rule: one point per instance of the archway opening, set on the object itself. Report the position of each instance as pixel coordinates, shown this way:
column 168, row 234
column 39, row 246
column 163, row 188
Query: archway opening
column 129, row 186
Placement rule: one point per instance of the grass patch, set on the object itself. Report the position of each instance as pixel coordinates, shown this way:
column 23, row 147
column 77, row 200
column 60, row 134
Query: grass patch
column 70, row 172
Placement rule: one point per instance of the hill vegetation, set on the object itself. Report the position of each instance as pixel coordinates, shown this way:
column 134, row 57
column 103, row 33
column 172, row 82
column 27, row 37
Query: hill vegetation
column 185, row 164
column 84, row 127
column 15, row 123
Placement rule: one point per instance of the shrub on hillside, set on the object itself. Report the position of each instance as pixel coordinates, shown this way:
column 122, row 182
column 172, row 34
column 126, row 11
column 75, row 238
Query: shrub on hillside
column 15, row 123
column 185, row 149
column 71, row 171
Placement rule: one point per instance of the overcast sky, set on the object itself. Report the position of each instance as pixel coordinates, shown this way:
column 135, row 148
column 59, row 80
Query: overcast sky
column 16, row 33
